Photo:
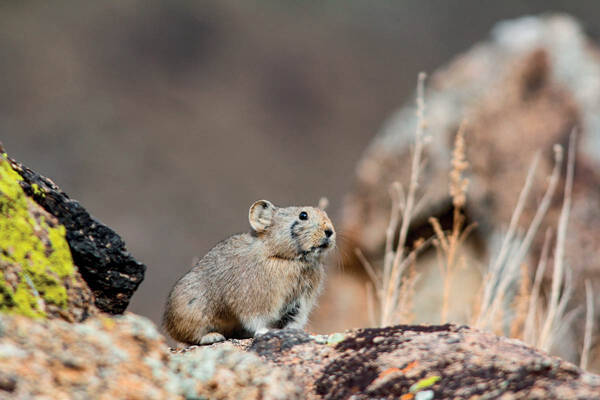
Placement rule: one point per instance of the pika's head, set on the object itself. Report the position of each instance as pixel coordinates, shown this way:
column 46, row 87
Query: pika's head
column 292, row 232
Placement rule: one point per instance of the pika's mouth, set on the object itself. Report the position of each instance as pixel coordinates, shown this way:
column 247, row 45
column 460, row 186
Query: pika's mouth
column 324, row 245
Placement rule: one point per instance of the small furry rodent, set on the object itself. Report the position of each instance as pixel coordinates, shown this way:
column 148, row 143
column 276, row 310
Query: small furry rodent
column 252, row 282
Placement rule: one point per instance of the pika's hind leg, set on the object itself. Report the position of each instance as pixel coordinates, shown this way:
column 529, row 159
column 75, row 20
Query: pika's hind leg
column 212, row 337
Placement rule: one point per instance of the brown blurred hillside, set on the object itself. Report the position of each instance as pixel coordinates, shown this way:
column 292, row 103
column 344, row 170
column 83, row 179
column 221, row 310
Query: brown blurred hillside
column 168, row 119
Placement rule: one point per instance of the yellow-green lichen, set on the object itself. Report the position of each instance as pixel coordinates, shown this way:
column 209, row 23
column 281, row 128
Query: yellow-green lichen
column 35, row 252
column 37, row 190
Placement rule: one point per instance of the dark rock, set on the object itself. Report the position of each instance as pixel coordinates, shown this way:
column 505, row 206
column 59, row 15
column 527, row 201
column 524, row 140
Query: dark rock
column 449, row 360
column 110, row 271
column 276, row 341
column 8, row 383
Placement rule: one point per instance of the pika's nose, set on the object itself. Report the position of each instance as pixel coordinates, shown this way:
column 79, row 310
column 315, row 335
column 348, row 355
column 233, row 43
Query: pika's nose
column 328, row 232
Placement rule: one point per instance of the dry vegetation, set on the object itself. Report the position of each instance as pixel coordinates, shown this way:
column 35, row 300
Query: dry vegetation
column 510, row 303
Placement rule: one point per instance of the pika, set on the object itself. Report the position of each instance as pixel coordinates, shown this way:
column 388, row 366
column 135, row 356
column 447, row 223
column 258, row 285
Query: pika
column 249, row 283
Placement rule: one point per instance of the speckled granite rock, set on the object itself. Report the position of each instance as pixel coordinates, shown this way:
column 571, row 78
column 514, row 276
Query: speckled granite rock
column 226, row 372
column 416, row 362
column 125, row 357
column 118, row 358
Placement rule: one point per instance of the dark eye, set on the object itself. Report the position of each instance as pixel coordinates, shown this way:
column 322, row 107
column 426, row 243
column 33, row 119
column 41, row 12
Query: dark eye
column 303, row 216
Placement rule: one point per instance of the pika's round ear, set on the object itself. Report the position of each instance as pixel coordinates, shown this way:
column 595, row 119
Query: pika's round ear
column 261, row 215
column 323, row 203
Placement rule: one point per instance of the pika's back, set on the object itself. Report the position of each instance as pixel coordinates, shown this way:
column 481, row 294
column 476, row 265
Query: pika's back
column 267, row 278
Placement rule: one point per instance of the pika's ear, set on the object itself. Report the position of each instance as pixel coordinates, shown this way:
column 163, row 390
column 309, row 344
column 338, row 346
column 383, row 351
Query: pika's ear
column 261, row 215
column 323, row 203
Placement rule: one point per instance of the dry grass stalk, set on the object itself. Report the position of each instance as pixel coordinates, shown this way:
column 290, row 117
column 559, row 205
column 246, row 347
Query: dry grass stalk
column 555, row 309
column 370, row 304
column 404, row 313
column 388, row 283
column 448, row 245
column 493, row 276
column 504, row 270
column 589, row 325
column 395, row 269
column 530, row 331
column 521, row 304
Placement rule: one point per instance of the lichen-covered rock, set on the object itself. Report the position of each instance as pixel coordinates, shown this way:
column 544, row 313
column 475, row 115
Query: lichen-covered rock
column 419, row 361
column 225, row 372
column 125, row 357
column 99, row 253
column 37, row 275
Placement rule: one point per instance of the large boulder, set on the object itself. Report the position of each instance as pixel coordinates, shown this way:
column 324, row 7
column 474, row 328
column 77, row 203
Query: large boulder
column 523, row 90
column 37, row 274
column 99, row 253
column 422, row 362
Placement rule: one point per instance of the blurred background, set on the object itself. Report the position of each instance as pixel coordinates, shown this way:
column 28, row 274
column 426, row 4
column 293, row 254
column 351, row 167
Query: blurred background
column 166, row 120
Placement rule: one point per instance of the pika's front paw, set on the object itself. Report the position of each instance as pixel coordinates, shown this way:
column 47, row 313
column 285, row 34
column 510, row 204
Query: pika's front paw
column 212, row 337
column 260, row 331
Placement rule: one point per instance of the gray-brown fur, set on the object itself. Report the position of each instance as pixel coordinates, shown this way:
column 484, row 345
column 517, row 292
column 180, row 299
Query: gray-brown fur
column 267, row 278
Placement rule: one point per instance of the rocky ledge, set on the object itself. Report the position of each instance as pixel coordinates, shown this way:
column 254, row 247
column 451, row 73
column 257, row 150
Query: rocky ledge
column 126, row 357
column 423, row 362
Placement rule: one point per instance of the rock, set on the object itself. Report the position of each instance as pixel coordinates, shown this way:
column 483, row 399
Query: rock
column 126, row 357
column 522, row 91
column 226, row 372
column 447, row 360
column 37, row 274
column 99, row 253
column 123, row 357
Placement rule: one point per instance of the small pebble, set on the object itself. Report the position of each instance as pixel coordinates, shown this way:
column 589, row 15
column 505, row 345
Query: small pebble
column 321, row 339
column 336, row 338
column 378, row 339
column 424, row 395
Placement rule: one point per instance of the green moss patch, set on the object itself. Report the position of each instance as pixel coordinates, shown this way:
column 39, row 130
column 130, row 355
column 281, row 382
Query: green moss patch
column 35, row 259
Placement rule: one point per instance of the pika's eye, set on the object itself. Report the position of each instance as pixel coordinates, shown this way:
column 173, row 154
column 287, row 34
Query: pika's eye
column 303, row 216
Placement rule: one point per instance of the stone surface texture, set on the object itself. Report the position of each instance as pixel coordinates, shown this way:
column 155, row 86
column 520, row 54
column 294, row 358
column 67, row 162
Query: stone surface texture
column 125, row 357
column 109, row 270
column 37, row 274
column 399, row 362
